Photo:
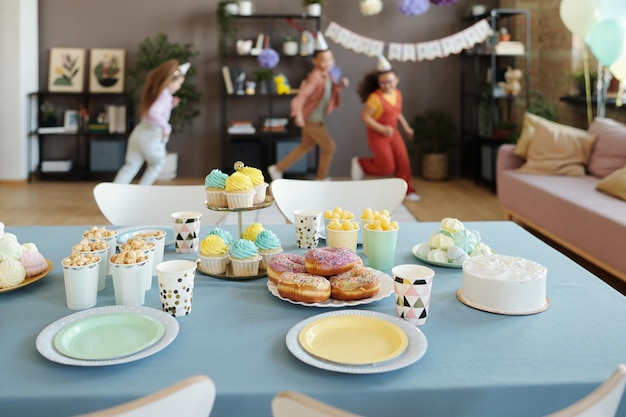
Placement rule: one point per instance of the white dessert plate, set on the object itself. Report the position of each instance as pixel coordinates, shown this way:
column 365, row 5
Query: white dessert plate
column 428, row 261
column 108, row 336
column 353, row 339
column 126, row 233
column 417, row 344
column 30, row 280
column 461, row 297
column 229, row 275
column 386, row 289
column 46, row 339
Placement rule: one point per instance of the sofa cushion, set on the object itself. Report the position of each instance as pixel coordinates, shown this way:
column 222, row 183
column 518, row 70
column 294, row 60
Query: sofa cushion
column 614, row 184
column 609, row 151
column 557, row 149
column 528, row 131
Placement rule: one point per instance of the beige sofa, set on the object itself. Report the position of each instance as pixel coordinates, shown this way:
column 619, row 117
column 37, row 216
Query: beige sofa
column 568, row 208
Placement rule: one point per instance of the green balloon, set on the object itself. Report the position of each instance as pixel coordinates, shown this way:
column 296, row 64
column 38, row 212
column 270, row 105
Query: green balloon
column 606, row 41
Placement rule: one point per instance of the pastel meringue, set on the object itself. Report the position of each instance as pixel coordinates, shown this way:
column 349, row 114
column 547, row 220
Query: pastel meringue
column 457, row 255
column 440, row 241
column 466, row 239
column 33, row 262
column 438, row 255
column 12, row 273
column 481, row 249
column 10, row 247
column 422, row 250
column 451, row 225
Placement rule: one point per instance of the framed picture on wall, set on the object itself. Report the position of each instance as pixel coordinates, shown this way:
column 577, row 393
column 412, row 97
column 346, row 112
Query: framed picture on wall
column 106, row 70
column 66, row 70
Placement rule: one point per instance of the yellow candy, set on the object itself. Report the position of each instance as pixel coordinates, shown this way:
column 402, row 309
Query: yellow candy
column 328, row 214
column 367, row 212
column 337, row 210
column 385, row 213
column 394, row 224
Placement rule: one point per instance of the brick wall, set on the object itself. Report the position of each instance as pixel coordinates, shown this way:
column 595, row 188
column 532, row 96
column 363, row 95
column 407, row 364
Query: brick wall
column 555, row 55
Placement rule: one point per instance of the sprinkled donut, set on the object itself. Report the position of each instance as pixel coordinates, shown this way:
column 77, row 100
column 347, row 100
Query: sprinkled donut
column 356, row 284
column 330, row 261
column 284, row 262
column 303, row 287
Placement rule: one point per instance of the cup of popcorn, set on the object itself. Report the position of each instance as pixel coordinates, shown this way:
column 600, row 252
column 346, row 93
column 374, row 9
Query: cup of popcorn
column 105, row 234
column 381, row 237
column 342, row 234
column 80, row 276
column 100, row 249
column 129, row 271
column 147, row 248
column 157, row 237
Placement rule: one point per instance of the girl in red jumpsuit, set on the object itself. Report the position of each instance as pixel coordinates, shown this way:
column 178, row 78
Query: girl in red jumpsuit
column 381, row 114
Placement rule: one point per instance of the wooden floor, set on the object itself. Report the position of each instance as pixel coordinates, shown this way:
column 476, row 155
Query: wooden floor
column 49, row 203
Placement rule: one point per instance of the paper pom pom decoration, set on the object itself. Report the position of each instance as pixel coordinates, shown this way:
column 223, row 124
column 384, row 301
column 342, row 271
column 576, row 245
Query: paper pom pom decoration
column 413, row 7
column 371, row 7
column 268, row 58
column 443, row 2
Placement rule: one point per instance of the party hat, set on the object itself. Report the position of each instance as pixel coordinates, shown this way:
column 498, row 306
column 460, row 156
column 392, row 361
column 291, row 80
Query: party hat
column 320, row 42
column 383, row 64
column 183, row 68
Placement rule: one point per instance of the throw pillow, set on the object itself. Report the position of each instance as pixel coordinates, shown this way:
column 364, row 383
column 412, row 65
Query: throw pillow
column 614, row 184
column 528, row 131
column 558, row 149
column 609, row 151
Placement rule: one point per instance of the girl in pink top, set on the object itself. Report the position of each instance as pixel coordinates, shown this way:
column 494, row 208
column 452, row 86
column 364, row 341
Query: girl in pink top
column 148, row 139
column 381, row 114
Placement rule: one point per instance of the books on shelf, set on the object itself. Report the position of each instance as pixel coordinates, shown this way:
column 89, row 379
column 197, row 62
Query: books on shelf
column 275, row 124
column 241, row 127
column 116, row 118
column 56, row 166
column 510, row 48
column 228, row 82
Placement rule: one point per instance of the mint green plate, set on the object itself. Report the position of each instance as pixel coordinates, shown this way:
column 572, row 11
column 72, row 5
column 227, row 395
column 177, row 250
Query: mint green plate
column 108, row 336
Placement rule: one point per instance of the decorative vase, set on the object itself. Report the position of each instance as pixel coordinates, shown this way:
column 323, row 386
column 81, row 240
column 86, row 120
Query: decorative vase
column 314, row 9
column 435, row 166
column 290, row 48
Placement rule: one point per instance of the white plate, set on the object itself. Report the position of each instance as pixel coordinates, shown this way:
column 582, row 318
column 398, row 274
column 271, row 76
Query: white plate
column 126, row 233
column 416, row 348
column 45, row 340
column 386, row 289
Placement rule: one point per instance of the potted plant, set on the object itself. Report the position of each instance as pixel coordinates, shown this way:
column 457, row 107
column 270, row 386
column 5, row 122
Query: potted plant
column 432, row 135
column 48, row 114
column 290, row 45
column 505, row 130
column 263, row 77
column 313, row 7
column 226, row 27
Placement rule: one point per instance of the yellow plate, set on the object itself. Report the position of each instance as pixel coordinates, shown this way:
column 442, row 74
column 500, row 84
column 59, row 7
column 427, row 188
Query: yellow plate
column 353, row 340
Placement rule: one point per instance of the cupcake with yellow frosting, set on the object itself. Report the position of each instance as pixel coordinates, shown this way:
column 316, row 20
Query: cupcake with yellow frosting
column 239, row 191
column 258, row 183
column 252, row 231
column 214, row 183
column 213, row 254
column 268, row 245
column 244, row 258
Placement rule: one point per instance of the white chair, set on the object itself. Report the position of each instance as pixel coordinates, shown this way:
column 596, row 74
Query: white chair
column 133, row 204
column 378, row 194
column 601, row 402
column 294, row 404
column 192, row 397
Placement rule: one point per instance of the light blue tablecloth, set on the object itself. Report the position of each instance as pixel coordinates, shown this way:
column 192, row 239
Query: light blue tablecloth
column 477, row 363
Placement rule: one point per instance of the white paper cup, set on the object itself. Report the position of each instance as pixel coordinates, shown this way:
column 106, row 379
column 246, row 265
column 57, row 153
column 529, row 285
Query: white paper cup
column 81, row 285
column 157, row 237
column 336, row 238
column 111, row 241
column 102, row 265
column 186, row 231
column 176, row 281
column 307, row 224
column 129, row 283
column 412, row 286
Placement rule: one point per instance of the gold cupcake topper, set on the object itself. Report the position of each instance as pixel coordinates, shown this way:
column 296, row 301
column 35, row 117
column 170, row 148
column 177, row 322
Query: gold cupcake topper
column 239, row 165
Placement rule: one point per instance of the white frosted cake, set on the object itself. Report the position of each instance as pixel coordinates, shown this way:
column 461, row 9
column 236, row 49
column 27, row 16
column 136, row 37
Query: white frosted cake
column 504, row 284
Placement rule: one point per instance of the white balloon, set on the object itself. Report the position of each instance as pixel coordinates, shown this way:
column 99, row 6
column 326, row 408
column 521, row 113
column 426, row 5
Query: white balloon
column 618, row 68
column 580, row 16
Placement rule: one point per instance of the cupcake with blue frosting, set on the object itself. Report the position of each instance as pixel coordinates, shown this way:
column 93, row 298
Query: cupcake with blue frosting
column 268, row 245
column 215, row 183
column 244, row 258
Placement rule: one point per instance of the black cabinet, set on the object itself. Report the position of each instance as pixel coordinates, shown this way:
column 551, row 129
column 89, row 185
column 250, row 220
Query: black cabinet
column 490, row 113
column 78, row 135
column 255, row 120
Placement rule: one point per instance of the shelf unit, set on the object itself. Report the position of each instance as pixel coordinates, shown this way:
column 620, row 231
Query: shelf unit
column 263, row 148
column 485, row 109
column 91, row 152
